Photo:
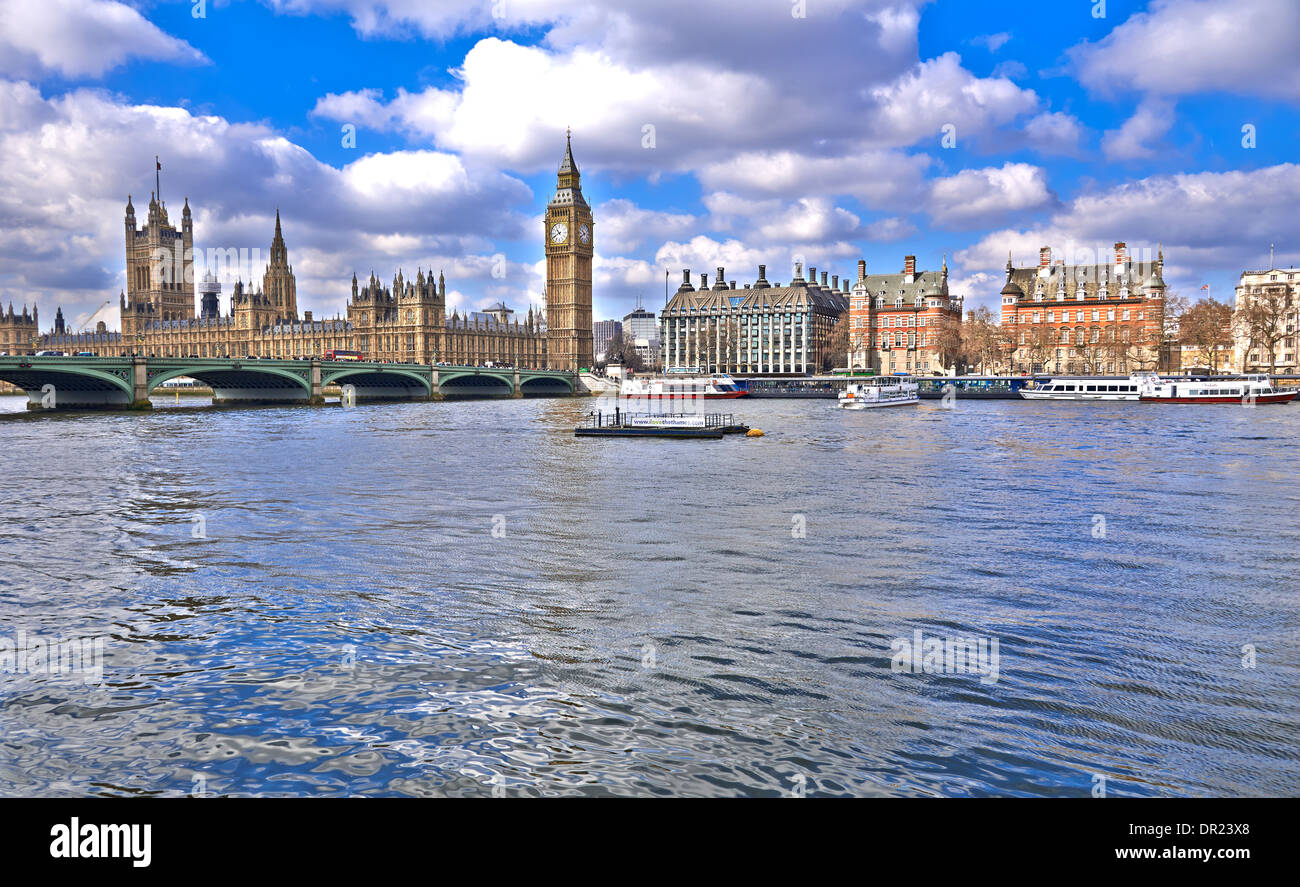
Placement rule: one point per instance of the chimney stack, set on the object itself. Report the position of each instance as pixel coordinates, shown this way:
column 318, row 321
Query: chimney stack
column 1121, row 252
column 862, row 269
column 1044, row 257
column 909, row 267
column 835, row 281
column 704, row 282
column 823, row 280
column 721, row 278
column 812, row 275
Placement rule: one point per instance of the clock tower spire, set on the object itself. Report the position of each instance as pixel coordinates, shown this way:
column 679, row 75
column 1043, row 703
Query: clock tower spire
column 569, row 248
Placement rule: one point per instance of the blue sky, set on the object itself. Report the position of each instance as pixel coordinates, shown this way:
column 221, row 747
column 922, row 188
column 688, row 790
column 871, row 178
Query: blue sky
column 777, row 136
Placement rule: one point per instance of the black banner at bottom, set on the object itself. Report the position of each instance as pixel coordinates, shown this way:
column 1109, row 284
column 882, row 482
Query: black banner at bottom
column 301, row 837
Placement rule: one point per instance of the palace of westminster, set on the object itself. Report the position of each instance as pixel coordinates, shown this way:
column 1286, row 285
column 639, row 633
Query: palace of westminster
column 404, row 322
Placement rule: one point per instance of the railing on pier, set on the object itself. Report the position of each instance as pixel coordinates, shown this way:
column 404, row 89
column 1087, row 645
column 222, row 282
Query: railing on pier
column 619, row 417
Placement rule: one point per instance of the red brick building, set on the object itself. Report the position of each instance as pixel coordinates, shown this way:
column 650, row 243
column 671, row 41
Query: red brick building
column 1097, row 319
column 898, row 323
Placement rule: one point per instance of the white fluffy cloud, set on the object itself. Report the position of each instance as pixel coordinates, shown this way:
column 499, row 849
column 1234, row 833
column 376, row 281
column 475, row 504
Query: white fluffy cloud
column 1179, row 47
column 976, row 197
column 80, row 38
column 624, row 226
column 1135, row 137
column 940, row 93
column 877, row 178
column 1054, row 133
column 71, row 158
column 1207, row 222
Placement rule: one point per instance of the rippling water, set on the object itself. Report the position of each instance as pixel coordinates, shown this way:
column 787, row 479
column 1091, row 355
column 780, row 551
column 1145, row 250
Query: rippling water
column 646, row 618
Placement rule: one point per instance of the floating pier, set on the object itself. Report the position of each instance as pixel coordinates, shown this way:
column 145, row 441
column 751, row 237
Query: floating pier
column 678, row 425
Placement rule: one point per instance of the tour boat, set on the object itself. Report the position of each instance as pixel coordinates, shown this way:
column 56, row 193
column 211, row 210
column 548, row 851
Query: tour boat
column 882, row 391
column 714, row 387
column 1244, row 390
column 1090, row 388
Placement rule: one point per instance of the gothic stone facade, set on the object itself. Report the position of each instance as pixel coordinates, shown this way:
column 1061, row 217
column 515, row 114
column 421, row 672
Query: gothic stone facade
column 405, row 321
column 18, row 331
column 570, row 243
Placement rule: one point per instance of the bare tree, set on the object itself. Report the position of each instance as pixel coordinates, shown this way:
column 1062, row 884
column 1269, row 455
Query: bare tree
column 624, row 351
column 835, row 343
column 1039, row 341
column 1206, row 327
column 983, row 340
column 1263, row 320
column 948, row 341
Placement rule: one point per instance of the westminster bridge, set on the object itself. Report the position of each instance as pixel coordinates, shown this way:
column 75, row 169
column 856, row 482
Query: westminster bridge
column 80, row 383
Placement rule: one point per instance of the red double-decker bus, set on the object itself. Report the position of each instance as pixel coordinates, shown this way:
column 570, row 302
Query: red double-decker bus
column 344, row 355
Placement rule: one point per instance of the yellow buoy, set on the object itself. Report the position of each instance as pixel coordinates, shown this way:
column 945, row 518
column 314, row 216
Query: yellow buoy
column 753, row 432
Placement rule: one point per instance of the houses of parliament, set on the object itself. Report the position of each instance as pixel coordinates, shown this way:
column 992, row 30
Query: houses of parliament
column 405, row 321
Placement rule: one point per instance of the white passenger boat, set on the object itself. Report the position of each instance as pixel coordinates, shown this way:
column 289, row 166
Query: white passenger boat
column 1090, row 388
column 717, row 386
column 882, row 391
column 1252, row 389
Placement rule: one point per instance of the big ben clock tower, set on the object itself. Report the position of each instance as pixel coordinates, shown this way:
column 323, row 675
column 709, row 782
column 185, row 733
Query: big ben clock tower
column 569, row 238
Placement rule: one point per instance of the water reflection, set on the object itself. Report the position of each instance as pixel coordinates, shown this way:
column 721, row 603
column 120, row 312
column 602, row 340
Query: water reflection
column 457, row 599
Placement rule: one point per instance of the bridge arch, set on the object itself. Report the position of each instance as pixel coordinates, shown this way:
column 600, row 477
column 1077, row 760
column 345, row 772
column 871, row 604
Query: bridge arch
column 74, row 386
column 476, row 384
column 243, row 376
column 545, row 385
column 388, row 377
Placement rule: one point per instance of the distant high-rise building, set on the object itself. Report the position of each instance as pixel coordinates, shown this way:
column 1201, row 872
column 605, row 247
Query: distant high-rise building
column 605, row 331
column 641, row 324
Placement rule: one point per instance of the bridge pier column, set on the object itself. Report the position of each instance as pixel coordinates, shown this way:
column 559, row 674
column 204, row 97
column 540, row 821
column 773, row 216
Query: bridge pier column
column 140, row 384
column 435, row 393
column 517, row 392
column 317, row 390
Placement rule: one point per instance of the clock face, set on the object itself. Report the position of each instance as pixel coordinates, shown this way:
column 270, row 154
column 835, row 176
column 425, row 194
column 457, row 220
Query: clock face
column 559, row 233
column 584, row 234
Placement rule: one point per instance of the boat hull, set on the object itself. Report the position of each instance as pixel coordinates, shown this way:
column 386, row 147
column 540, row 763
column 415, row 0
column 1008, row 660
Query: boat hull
column 1282, row 397
column 1041, row 395
column 651, row 431
column 856, row 404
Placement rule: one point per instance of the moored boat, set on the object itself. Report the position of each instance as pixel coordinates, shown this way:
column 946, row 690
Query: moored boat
column 718, row 386
column 1245, row 390
column 882, row 391
column 1090, row 388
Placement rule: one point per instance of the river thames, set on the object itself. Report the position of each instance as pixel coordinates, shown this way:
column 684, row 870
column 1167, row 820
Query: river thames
column 463, row 599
